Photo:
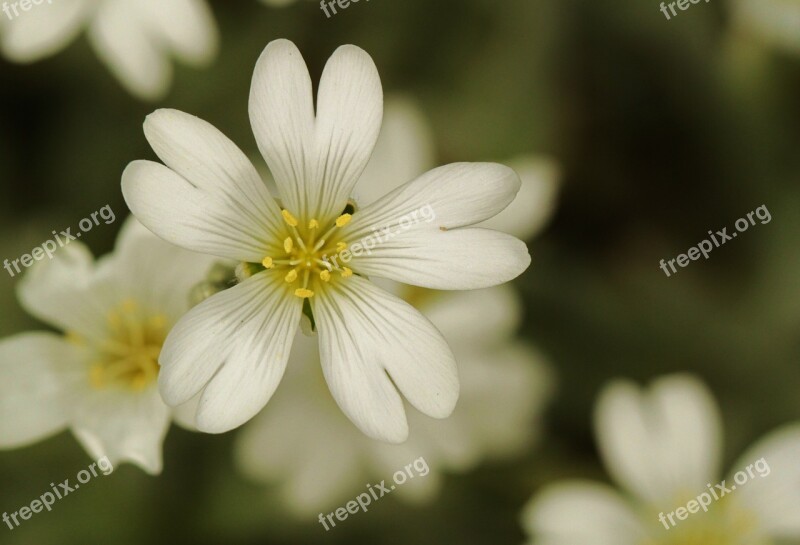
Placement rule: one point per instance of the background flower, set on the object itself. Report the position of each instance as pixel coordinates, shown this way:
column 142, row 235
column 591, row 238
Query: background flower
column 771, row 22
column 99, row 378
column 663, row 446
column 136, row 39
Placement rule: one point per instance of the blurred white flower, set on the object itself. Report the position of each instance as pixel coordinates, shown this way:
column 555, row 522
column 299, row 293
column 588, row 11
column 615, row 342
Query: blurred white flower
column 504, row 383
column 233, row 348
column 135, row 38
column 99, row 378
column 774, row 22
column 663, row 447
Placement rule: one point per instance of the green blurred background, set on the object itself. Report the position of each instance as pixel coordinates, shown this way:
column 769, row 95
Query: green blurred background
column 663, row 130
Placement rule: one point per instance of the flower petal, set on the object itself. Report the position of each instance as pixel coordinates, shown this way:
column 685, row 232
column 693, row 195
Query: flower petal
column 663, row 443
column 60, row 291
column 404, row 151
column 191, row 217
column 535, row 202
column 773, row 494
column 187, row 27
column 447, row 197
column 43, row 30
column 233, row 346
column 475, row 317
column 366, row 333
column 463, row 259
column 349, row 114
column 38, row 372
column 121, row 41
column 577, row 513
column 315, row 160
column 282, row 118
column 124, row 426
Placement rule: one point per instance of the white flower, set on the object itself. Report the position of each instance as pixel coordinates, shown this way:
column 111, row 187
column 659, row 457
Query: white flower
column 135, row 38
column 504, row 383
column 234, row 346
column 775, row 22
column 663, row 447
column 99, row 379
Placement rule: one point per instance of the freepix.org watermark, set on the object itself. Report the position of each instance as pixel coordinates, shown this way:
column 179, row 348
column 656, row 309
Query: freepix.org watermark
column 46, row 500
column 718, row 491
column 380, row 235
column 24, row 5
column 49, row 247
column 721, row 237
column 325, row 5
column 374, row 493
column 683, row 5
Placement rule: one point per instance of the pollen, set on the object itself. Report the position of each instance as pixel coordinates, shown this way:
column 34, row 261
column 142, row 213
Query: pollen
column 313, row 224
column 341, row 247
column 290, row 220
column 304, row 293
column 347, row 272
column 288, row 244
column 291, row 276
column 325, row 276
column 267, row 262
column 343, row 220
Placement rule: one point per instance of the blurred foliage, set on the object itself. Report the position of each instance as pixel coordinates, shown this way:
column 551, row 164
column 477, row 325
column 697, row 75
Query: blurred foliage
column 664, row 130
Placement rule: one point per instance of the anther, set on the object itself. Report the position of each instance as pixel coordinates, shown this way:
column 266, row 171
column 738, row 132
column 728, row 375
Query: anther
column 268, row 263
column 289, row 218
column 304, row 293
column 291, row 276
column 288, row 244
column 325, row 276
column 343, row 220
column 347, row 272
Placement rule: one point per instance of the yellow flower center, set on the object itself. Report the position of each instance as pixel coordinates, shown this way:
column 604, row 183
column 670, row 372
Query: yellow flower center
column 128, row 356
column 312, row 255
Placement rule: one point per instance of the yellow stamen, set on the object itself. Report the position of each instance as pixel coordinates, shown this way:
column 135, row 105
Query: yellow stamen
column 291, row 276
column 343, row 220
column 304, row 293
column 325, row 276
column 288, row 244
column 289, row 218
column 347, row 272
column 341, row 247
column 313, row 224
column 267, row 262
